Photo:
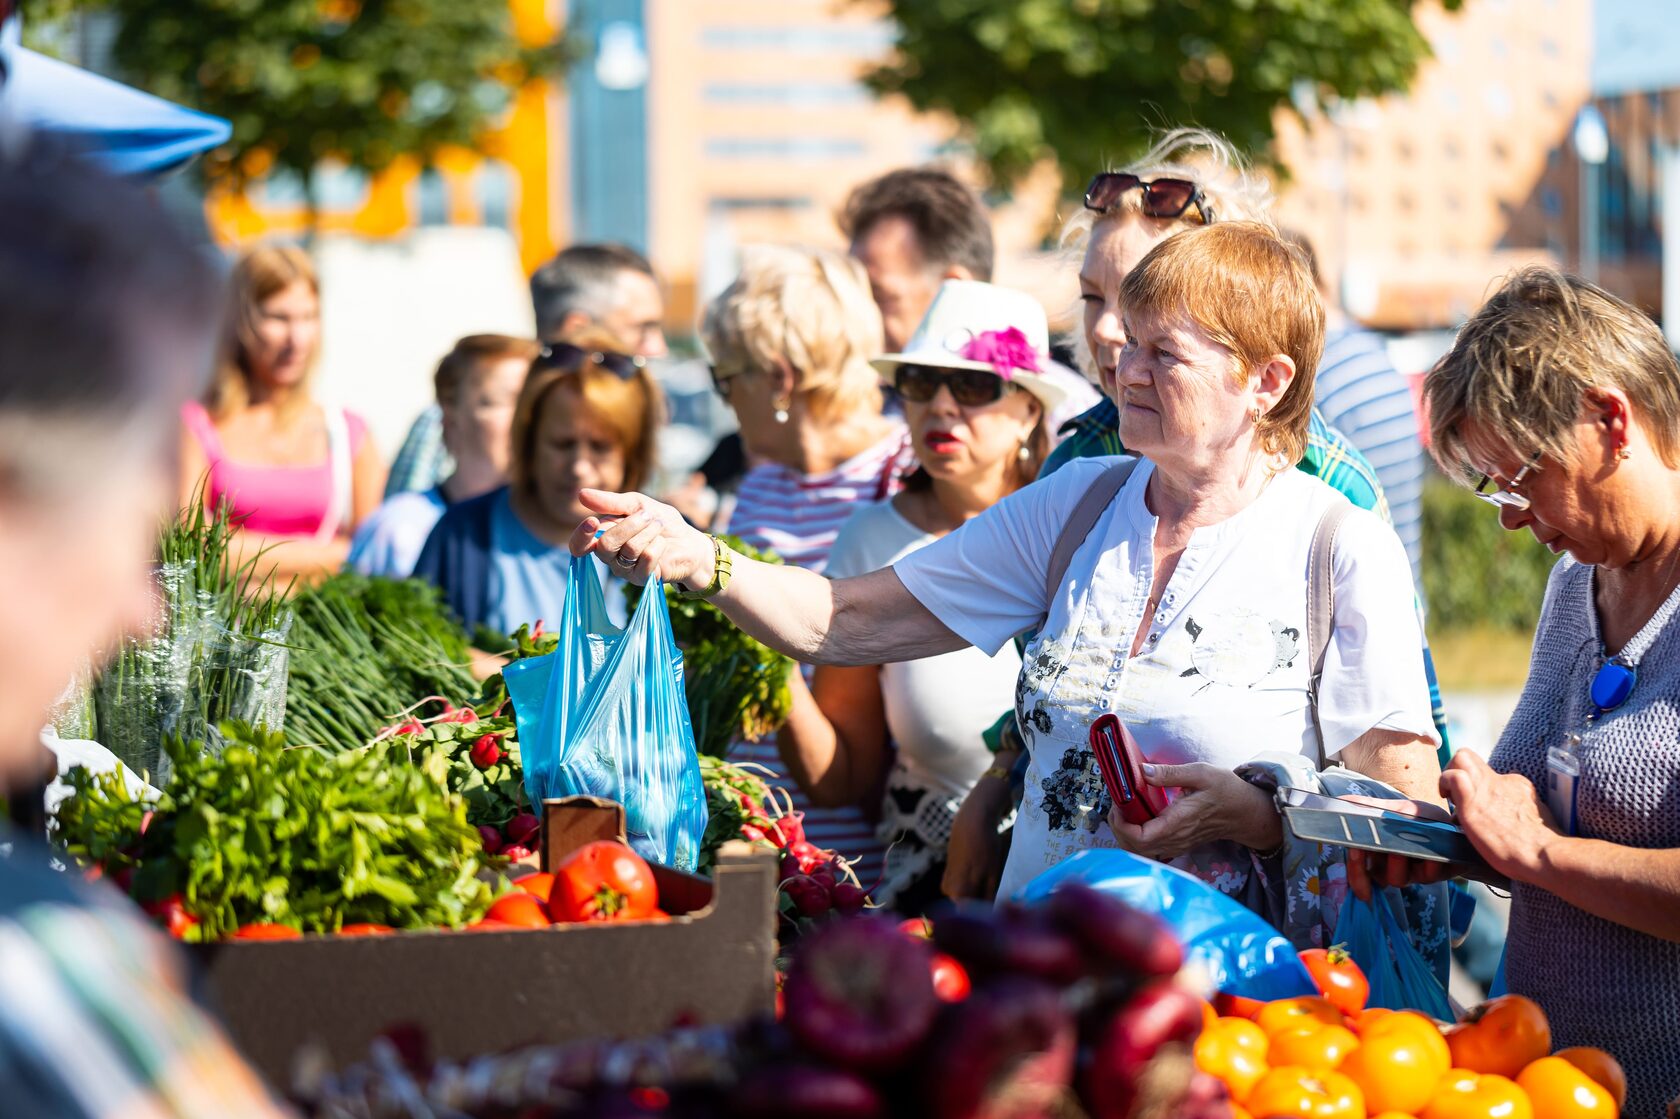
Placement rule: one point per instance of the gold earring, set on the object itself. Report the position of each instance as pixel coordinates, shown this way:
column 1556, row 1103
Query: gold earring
column 1624, row 454
column 1256, row 414
column 782, row 407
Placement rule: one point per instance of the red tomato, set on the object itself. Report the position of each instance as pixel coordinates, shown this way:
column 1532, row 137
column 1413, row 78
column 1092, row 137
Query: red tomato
column 538, row 885
column 1338, row 977
column 366, row 928
column 1236, row 1006
column 950, row 979
column 172, row 914
column 602, row 881
column 919, row 927
column 520, row 910
column 266, row 930
column 1501, row 1036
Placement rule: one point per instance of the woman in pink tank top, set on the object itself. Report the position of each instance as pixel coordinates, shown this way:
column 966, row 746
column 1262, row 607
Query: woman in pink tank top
column 299, row 476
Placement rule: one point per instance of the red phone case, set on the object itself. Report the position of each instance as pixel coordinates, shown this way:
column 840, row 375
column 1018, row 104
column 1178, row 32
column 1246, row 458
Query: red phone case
column 1121, row 763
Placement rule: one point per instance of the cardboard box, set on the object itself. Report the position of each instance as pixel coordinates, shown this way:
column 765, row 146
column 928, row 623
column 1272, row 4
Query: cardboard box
column 473, row 993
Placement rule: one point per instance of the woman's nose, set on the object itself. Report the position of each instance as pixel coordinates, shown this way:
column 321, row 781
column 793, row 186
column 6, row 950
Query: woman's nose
column 1109, row 330
column 1512, row 518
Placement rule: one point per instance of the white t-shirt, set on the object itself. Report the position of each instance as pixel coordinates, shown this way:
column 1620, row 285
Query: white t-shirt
column 1222, row 676
column 938, row 707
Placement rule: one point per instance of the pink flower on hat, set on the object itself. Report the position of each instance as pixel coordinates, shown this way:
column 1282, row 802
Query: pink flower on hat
column 1004, row 350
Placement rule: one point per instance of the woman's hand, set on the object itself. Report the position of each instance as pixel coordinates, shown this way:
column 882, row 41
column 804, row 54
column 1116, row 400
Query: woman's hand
column 638, row 538
column 1213, row 804
column 974, row 855
column 1503, row 815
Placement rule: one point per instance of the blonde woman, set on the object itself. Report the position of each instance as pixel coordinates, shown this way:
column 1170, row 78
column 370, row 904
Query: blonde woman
column 299, row 476
column 791, row 340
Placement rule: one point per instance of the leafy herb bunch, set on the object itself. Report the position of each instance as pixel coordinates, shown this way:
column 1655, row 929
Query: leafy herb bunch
column 295, row 836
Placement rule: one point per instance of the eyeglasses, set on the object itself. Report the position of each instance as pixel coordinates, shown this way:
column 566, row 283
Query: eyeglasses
column 1503, row 497
column 564, row 355
column 971, row 388
column 1162, row 198
column 720, row 381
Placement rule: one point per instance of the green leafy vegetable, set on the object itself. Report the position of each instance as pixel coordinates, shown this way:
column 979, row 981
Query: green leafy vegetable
column 297, row 836
column 364, row 649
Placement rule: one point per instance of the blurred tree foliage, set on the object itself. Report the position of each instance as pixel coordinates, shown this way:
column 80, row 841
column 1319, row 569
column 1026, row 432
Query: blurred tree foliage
column 1475, row 573
column 360, row 81
column 1085, row 81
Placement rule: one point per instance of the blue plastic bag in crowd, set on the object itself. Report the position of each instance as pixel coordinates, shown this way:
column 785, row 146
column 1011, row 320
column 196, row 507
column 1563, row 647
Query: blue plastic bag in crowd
column 1399, row 977
column 1242, row 954
column 604, row 715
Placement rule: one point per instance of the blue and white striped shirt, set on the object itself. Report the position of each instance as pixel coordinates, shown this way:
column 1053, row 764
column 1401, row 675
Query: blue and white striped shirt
column 1364, row 397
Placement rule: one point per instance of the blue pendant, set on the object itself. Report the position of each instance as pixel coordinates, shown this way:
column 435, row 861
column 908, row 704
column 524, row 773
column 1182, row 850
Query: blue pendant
column 1612, row 685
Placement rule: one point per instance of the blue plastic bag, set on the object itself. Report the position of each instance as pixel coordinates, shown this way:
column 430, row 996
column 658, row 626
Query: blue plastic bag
column 604, row 715
column 1400, row 978
column 1242, row 954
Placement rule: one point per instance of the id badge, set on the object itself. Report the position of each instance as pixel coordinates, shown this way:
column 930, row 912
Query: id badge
column 1563, row 779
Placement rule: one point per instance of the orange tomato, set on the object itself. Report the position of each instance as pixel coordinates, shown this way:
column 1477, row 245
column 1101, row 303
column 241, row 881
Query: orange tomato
column 1394, row 1066
column 1559, row 1090
column 1501, row 1036
column 1235, row 1006
column 1233, row 1054
column 1288, row 1014
column 1238, row 1111
column 1602, row 1067
column 1299, row 1093
column 1209, row 1015
column 266, row 930
column 1391, row 1115
column 538, row 885
column 1316, row 1046
column 1466, row 1094
column 1412, row 1023
column 1337, row 977
column 520, row 910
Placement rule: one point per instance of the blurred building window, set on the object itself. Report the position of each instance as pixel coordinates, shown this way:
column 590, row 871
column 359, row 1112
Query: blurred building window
column 1498, row 47
column 1452, row 201
column 1404, row 150
column 343, row 189
column 1500, row 152
column 862, row 40
column 1452, row 149
column 1450, row 100
column 1405, row 201
column 794, row 94
column 283, row 189
column 1406, row 248
column 784, row 147
column 433, row 200
column 1498, row 99
column 1551, row 201
column 791, row 202
column 493, row 191
column 1549, row 47
column 1356, row 200
column 1550, row 98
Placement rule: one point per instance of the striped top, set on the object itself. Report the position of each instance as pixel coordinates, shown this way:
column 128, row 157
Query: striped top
column 1364, row 397
column 797, row 516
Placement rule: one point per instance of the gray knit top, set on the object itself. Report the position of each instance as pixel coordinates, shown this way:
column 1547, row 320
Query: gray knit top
column 1601, row 983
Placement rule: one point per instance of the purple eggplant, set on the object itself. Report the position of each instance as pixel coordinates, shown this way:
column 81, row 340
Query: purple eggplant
column 860, row 994
column 1136, row 942
column 1009, row 941
column 1161, row 1014
column 1008, row 1049
column 806, row 1090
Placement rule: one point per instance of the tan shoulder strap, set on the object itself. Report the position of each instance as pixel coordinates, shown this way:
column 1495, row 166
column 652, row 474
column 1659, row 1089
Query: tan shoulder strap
column 1321, row 605
column 1083, row 520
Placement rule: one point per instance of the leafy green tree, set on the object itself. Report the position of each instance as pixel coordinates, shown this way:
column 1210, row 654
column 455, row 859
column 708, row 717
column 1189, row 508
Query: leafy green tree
column 361, row 81
column 1085, row 81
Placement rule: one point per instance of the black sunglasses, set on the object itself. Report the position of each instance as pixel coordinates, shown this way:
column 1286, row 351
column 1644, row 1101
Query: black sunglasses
column 970, row 388
column 564, row 355
column 1162, row 198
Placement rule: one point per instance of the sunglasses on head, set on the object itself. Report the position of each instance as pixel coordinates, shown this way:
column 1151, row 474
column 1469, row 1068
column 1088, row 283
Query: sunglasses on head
column 970, row 388
column 564, row 355
column 1162, row 198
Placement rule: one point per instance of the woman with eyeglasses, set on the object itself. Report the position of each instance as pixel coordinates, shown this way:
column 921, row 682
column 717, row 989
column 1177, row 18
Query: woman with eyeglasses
column 1560, row 403
column 975, row 390
column 1172, row 590
column 790, row 342
column 1189, row 179
column 587, row 417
